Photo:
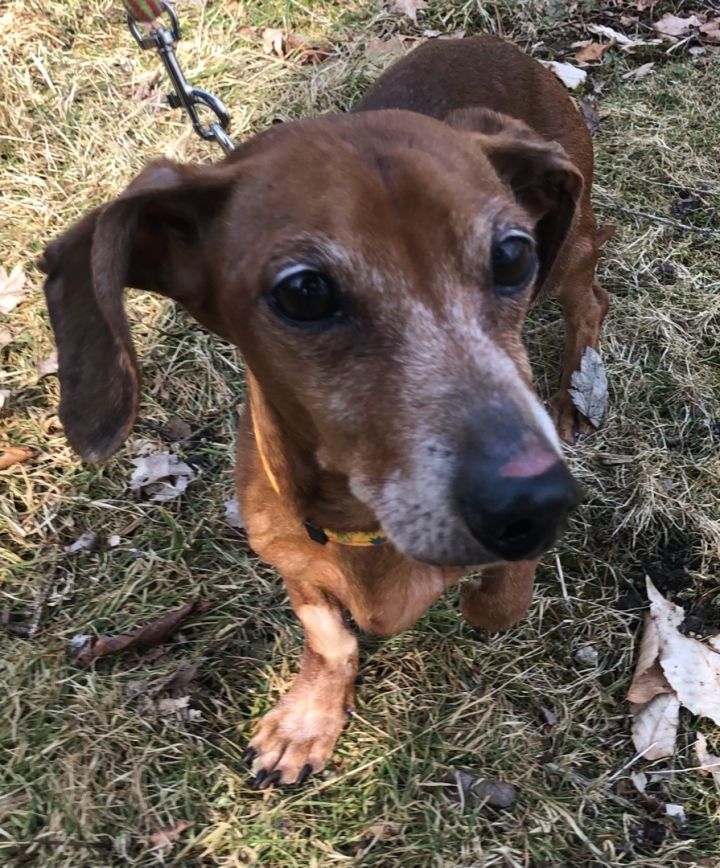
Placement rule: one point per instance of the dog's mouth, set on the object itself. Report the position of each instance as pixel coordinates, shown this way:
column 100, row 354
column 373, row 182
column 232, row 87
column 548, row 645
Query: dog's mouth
column 483, row 518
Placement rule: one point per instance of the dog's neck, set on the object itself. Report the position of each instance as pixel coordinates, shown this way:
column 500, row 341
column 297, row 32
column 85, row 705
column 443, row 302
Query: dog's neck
column 288, row 452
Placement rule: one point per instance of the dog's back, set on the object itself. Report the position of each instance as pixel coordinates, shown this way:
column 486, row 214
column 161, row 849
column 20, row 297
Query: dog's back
column 447, row 75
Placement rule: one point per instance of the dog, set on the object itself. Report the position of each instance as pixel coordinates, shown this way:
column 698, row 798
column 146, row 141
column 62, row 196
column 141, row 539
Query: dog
column 375, row 269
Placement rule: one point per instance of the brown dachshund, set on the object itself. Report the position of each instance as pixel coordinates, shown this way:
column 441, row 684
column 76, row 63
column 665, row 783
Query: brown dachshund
column 375, row 270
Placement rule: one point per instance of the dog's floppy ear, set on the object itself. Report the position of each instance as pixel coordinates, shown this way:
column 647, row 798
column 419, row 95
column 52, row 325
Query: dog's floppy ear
column 151, row 237
column 542, row 177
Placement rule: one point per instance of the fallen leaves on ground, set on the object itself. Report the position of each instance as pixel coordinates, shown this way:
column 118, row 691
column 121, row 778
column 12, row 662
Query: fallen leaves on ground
column 6, row 336
column 12, row 289
column 279, row 43
column 593, row 52
column 232, row 514
column 709, row 763
column 86, row 542
column 47, row 366
column 10, row 455
column 176, row 429
column 589, row 387
column 396, row 45
column 160, row 476
column 408, row 7
column 673, row 27
column 571, row 76
column 87, row 649
column 672, row 670
column 148, row 87
column 639, row 72
column 168, row 835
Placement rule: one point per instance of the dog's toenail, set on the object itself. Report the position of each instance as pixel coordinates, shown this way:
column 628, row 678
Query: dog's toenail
column 272, row 779
column 259, row 778
column 305, row 773
column 250, row 755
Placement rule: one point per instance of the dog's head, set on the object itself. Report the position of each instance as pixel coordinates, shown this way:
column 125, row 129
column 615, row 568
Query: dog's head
column 375, row 271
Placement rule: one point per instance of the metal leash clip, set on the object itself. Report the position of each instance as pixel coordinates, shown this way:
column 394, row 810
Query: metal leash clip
column 163, row 40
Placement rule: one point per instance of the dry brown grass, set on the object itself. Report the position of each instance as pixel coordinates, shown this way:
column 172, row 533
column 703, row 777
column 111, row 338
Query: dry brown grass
column 86, row 773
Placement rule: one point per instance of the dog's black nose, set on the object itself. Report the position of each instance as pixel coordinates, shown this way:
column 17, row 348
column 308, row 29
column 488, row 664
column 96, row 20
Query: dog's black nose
column 515, row 517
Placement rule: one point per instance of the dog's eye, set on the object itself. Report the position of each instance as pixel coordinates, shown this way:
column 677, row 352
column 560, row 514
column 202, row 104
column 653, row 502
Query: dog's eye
column 513, row 262
column 304, row 295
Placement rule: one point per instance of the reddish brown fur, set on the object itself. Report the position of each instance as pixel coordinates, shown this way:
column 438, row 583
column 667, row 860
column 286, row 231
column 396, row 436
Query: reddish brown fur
column 403, row 208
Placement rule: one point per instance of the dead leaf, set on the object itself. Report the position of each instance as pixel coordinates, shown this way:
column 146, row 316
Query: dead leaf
column 672, row 669
column 640, row 72
column 676, row 813
column 709, row 763
column 148, row 87
column 306, row 51
column 571, row 76
column 395, row 46
column 4, row 400
column 168, row 835
column 177, row 683
column 176, row 429
column 654, row 726
column 87, row 649
column 10, row 455
column 84, row 543
column 673, row 27
column 6, row 336
column 12, row 289
column 691, row 667
column 639, row 780
column 408, row 7
column 232, row 514
column 589, row 390
column 710, row 32
column 169, row 705
column 644, row 5
column 376, row 832
column 610, row 33
column 594, row 52
column 588, row 106
column 273, row 41
column 494, row 793
column 161, row 476
column 47, row 366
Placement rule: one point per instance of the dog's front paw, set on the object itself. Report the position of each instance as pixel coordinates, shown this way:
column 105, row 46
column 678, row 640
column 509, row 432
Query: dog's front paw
column 296, row 738
column 569, row 421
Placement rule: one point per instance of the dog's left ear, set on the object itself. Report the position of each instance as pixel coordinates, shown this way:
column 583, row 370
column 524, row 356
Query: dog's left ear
column 540, row 174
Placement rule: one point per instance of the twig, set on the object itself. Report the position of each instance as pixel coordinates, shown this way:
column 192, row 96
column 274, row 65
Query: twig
column 664, row 220
column 586, row 783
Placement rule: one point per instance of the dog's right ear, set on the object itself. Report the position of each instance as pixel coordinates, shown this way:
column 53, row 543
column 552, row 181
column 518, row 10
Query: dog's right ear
column 153, row 236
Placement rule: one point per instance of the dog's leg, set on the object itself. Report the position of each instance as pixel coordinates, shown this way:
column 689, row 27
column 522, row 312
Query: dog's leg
column 500, row 597
column 584, row 303
column 296, row 738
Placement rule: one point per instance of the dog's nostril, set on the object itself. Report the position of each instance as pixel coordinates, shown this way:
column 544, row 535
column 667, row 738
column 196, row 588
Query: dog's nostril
column 517, row 530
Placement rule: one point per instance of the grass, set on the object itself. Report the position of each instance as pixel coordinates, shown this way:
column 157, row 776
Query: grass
column 87, row 772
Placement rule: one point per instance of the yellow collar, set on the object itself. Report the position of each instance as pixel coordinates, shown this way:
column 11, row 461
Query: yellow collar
column 321, row 535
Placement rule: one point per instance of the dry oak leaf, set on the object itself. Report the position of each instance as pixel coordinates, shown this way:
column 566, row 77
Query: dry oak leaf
column 673, row 27
column 273, row 41
column 10, row 455
column 168, row 835
column 12, row 289
column 87, row 649
column 639, row 72
column 710, row 32
column 589, row 387
column 571, row 76
column 594, row 52
column 611, row 34
column 394, row 46
column 709, row 763
column 408, row 7
column 160, row 476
